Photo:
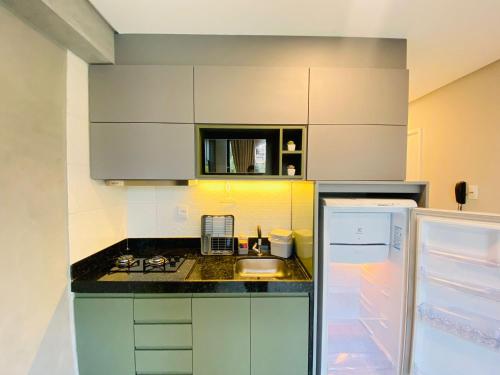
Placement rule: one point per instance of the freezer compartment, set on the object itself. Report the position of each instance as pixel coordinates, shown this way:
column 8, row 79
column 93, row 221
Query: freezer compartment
column 358, row 228
column 353, row 350
column 359, row 254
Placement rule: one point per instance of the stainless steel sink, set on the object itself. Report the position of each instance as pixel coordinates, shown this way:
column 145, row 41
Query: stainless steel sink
column 261, row 268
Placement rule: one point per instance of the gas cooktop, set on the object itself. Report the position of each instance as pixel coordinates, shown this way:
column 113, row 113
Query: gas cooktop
column 159, row 263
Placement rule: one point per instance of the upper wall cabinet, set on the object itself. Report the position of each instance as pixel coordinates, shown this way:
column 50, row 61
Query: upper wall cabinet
column 250, row 95
column 141, row 93
column 358, row 96
column 356, row 152
column 141, row 151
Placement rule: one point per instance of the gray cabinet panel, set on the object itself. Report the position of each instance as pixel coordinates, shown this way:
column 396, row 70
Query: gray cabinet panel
column 358, row 96
column 141, row 93
column 356, row 152
column 141, row 151
column 251, row 95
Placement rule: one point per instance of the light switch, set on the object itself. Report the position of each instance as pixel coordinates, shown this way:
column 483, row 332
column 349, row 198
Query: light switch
column 473, row 192
column 182, row 212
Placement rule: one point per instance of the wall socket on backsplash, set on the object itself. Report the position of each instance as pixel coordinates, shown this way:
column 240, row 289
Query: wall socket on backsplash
column 182, row 212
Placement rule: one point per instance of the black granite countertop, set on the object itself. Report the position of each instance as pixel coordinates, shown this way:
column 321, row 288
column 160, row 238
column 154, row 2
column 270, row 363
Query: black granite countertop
column 198, row 274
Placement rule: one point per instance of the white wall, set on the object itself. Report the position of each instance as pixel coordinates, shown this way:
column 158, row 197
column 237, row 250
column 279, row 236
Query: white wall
column 460, row 127
column 35, row 334
column 97, row 213
column 152, row 211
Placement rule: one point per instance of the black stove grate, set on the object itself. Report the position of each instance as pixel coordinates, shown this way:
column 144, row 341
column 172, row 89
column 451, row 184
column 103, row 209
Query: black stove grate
column 172, row 264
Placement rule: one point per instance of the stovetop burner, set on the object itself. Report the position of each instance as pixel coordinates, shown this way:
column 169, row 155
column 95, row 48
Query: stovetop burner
column 126, row 261
column 158, row 263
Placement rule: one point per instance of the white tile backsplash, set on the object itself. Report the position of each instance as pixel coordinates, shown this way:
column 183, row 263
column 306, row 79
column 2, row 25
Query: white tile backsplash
column 141, row 219
column 152, row 211
column 142, row 194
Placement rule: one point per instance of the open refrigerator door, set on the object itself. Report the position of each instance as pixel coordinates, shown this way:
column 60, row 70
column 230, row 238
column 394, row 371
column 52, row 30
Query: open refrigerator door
column 456, row 325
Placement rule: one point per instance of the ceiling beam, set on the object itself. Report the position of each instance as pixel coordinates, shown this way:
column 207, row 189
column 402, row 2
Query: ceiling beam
column 73, row 24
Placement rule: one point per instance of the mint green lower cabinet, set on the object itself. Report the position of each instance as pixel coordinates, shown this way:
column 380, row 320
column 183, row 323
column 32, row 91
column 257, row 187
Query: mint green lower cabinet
column 279, row 335
column 162, row 310
column 105, row 336
column 221, row 336
column 163, row 362
column 205, row 335
column 163, row 336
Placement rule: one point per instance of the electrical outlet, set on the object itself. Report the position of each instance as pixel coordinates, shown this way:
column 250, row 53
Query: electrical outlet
column 473, row 192
column 182, row 212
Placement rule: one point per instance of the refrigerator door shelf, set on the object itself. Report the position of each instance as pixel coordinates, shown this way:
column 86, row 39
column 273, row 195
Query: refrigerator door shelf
column 464, row 324
column 461, row 286
column 358, row 254
column 471, row 260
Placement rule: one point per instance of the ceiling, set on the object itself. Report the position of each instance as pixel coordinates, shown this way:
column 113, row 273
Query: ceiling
column 447, row 39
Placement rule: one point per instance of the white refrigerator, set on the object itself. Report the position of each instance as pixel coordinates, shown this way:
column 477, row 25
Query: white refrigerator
column 406, row 290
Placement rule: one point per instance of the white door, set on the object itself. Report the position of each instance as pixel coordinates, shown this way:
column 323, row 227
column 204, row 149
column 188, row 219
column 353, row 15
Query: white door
column 456, row 325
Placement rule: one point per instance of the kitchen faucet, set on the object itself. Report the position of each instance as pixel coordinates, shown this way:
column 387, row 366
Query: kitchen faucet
column 258, row 245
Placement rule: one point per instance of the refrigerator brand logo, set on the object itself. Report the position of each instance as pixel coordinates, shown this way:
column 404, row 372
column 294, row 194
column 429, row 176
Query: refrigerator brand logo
column 359, row 230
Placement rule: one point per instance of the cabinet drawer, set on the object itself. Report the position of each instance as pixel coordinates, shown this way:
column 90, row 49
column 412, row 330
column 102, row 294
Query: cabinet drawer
column 162, row 310
column 164, row 362
column 163, row 336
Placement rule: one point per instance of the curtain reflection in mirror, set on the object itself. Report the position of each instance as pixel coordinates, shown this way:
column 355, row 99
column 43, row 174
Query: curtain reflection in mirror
column 243, row 153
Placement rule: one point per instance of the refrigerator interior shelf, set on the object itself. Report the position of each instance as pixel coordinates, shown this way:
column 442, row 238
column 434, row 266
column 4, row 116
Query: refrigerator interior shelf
column 370, row 313
column 384, row 290
column 370, row 278
column 353, row 350
column 462, row 258
column 477, row 290
column 469, row 326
